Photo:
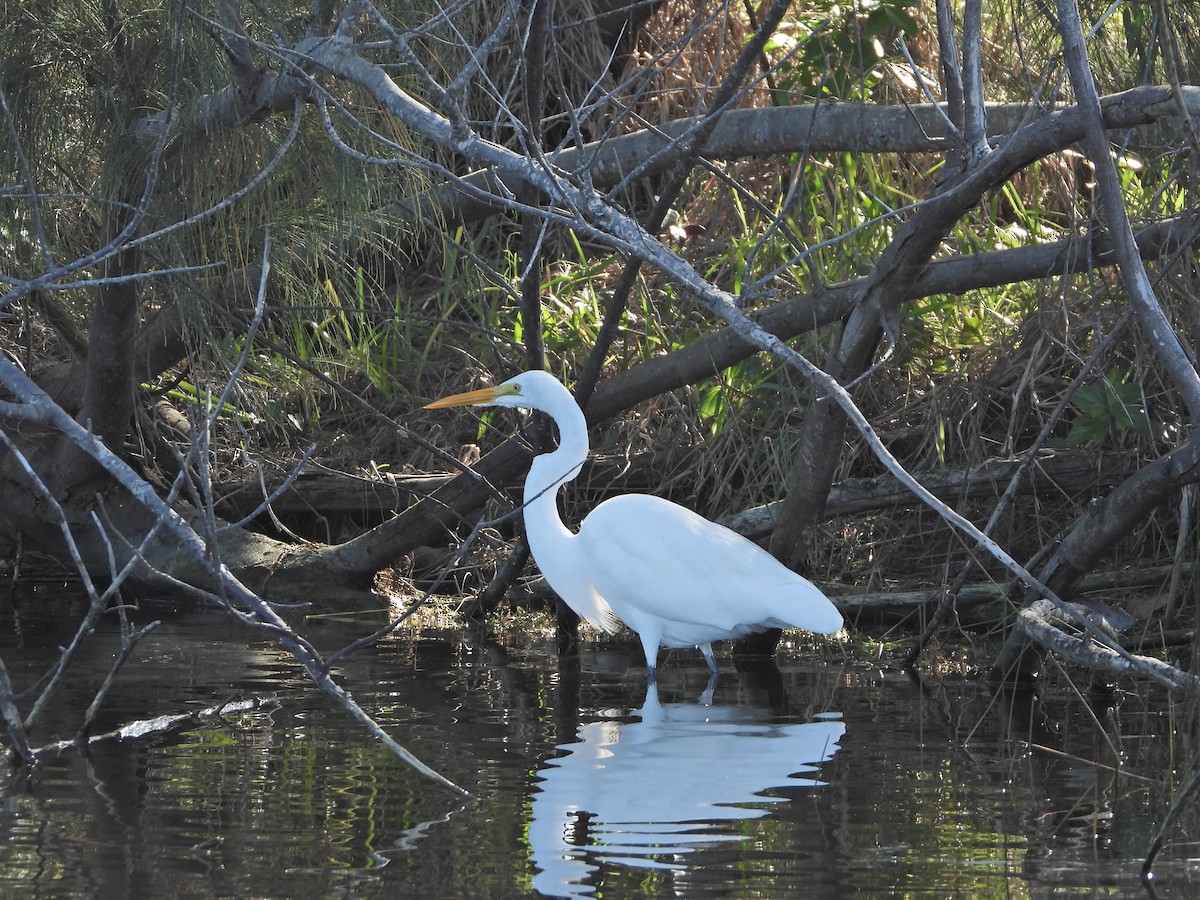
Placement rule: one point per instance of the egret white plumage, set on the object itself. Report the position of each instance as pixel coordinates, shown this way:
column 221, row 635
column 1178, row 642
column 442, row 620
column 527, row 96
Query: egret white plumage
column 672, row 576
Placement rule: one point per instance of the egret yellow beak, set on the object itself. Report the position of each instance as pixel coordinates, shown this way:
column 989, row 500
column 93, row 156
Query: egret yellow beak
column 472, row 398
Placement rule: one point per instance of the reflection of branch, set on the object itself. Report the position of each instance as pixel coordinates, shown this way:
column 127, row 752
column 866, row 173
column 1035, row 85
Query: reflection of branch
column 11, row 716
column 1182, row 801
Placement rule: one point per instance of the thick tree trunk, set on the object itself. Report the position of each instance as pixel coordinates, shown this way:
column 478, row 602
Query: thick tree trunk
column 106, row 407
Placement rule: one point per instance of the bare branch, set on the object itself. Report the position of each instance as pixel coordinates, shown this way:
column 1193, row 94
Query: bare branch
column 974, row 122
column 1162, row 335
column 128, row 644
column 1035, row 622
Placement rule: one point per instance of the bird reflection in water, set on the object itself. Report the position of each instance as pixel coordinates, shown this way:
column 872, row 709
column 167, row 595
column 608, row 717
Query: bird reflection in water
column 648, row 793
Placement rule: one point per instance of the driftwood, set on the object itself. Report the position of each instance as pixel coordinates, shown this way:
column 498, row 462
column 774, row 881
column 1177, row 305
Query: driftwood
column 1044, row 624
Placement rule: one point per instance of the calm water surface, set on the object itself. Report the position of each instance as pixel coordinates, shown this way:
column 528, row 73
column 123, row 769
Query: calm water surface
column 816, row 779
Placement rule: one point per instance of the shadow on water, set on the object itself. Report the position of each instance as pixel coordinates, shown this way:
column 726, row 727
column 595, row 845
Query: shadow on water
column 804, row 780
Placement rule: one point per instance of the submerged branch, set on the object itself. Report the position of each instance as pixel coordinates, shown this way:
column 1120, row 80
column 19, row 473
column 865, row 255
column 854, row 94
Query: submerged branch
column 162, row 724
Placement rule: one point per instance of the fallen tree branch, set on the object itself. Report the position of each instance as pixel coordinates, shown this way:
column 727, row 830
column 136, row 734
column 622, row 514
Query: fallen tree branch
column 1069, row 473
column 162, row 724
column 818, row 128
column 1037, row 622
column 334, row 494
column 882, row 602
column 706, row 356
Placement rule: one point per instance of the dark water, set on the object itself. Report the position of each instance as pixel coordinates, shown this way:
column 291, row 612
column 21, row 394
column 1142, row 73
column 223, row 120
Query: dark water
column 823, row 778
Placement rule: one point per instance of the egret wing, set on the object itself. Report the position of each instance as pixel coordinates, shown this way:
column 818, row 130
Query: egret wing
column 669, row 562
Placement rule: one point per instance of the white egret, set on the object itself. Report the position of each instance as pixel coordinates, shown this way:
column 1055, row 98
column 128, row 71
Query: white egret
column 668, row 573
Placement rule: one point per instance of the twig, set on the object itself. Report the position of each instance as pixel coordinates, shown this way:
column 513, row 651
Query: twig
column 270, row 498
column 121, row 279
column 128, row 643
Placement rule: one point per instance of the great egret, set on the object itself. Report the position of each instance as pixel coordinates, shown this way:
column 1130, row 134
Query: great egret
column 671, row 575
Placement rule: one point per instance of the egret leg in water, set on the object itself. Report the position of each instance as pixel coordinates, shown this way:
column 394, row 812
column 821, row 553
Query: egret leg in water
column 671, row 575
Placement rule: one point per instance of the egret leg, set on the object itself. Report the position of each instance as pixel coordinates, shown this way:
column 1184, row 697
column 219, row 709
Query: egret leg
column 706, row 649
column 650, row 648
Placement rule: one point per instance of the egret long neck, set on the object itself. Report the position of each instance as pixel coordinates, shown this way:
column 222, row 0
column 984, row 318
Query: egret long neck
column 551, row 470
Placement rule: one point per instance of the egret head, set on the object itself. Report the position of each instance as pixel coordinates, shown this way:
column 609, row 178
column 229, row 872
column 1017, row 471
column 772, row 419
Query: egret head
column 529, row 390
